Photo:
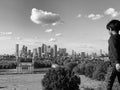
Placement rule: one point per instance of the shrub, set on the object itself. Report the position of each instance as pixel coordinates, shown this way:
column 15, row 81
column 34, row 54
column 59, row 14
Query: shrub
column 100, row 71
column 8, row 65
column 79, row 69
column 70, row 65
column 42, row 64
column 89, row 69
column 60, row 78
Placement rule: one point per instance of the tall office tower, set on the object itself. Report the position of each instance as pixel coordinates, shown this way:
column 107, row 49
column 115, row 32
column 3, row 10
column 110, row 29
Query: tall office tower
column 35, row 54
column 39, row 52
column 55, row 51
column 62, row 51
column 48, row 49
column 45, row 51
column 82, row 55
column 17, row 50
column 43, row 48
column 25, row 52
column 29, row 54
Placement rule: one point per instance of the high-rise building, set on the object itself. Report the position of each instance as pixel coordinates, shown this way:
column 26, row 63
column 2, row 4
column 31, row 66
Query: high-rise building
column 29, row 54
column 25, row 51
column 55, row 51
column 51, row 52
column 62, row 51
column 48, row 49
column 82, row 55
column 35, row 54
column 17, row 50
column 39, row 52
column 43, row 48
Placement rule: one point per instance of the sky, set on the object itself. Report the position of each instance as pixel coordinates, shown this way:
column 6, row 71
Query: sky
column 73, row 24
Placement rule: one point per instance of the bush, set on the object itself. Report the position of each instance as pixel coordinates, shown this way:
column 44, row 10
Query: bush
column 42, row 64
column 100, row 71
column 89, row 69
column 79, row 69
column 60, row 78
column 8, row 65
column 70, row 65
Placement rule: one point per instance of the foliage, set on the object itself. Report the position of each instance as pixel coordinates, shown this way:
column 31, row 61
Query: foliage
column 70, row 65
column 42, row 64
column 8, row 65
column 60, row 78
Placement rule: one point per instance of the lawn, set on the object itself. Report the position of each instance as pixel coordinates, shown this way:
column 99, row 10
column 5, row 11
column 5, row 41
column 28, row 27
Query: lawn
column 33, row 82
column 21, row 82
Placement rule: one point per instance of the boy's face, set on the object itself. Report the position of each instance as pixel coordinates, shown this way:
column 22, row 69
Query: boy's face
column 110, row 32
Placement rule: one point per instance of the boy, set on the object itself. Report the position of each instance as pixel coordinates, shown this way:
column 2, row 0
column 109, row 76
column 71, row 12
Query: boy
column 114, row 52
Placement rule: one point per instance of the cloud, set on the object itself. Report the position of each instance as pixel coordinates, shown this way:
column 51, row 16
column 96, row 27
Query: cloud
column 44, row 17
column 5, row 38
column 79, row 15
column 112, row 12
column 5, row 33
column 49, row 30
column 29, row 41
column 52, row 40
column 18, row 38
column 58, row 34
column 95, row 17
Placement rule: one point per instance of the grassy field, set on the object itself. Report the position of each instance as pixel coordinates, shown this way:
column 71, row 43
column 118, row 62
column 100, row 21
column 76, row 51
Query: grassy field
column 33, row 82
column 21, row 82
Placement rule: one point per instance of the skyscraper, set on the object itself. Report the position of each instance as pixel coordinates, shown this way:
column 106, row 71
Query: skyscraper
column 82, row 55
column 35, row 54
column 55, row 51
column 29, row 54
column 17, row 50
column 39, row 52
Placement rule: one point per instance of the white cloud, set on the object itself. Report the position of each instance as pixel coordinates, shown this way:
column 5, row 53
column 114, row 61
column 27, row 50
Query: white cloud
column 18, row 38
column 5, row 38
column 58, row 34
column 52, row 40
column 29, row 41
column 44, row 17
column 112, row 12
column 95, row 17
column 79, row 15
column 5, row 33
column 49, row 30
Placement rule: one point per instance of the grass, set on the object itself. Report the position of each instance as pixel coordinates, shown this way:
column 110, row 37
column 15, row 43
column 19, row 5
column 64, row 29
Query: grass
column 33, row 82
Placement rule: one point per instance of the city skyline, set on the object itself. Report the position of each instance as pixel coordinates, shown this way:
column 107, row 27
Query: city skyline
column 78, row 25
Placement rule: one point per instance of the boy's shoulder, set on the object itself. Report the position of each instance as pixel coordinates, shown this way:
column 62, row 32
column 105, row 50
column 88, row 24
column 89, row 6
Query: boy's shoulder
column 114, row 37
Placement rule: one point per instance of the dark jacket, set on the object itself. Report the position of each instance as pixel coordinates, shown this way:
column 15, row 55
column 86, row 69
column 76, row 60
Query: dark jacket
column 114, row 48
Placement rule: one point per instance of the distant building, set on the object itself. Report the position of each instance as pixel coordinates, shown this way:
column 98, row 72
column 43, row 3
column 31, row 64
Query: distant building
column 39, row 52
column 29, row 54
column 82, row 55
column 35, row 54
column 55, row 51
column 62, row 52
column 17, row 50
column 44, row 48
